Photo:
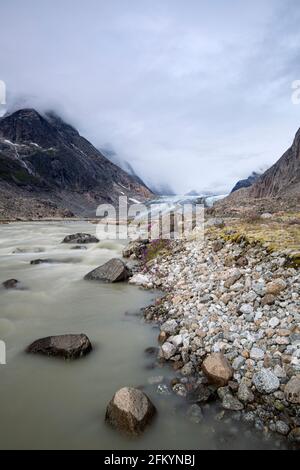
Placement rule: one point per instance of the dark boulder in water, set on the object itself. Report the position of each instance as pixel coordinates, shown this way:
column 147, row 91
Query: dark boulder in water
column 80, row 238
column 115, row 270
column 70, row 346
column 41, row 261
column 10, row 284
column 51, row 260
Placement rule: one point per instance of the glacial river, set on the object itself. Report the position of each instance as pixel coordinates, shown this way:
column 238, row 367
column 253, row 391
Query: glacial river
column 48, row 403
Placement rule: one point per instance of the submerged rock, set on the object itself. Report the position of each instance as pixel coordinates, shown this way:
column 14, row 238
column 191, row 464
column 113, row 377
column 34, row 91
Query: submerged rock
column 217, row 369
column 229, row 402
column 130, row 411
column 114, row 270
column 194, row 413
column 202, row 394
column 71, row 346
column 80, row 238
column 294, row 435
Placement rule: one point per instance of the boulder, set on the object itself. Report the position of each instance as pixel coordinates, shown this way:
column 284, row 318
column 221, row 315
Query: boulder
column 275, row 287
column 202, row 394
column 292, row 390
column 217, row 245
column 245, row 394
column 234, row 276
column 268, row 299
column 215, row 222
column 265, row 381
column 130, row 411
column 114, row 270
column 80, row 238
column 135, row 248
column 10, row 284
column 217, row 369
column 294, row 436
column 71, row 346
column 229, row 402
column 194, row 413
column 170, row 327
column 140, row 279
column 168, row 350
column 42, row 261
column 257, row 354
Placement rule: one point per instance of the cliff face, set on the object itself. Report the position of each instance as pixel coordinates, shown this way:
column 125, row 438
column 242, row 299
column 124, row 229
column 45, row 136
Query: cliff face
column 247, row 182
column 278, row 189
column 283, row 178
column 44, row 158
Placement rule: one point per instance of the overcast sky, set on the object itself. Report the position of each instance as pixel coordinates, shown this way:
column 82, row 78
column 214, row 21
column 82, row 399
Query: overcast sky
column 195, row 94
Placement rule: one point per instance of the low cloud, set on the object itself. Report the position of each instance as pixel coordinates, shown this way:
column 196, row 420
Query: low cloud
column 193, row 94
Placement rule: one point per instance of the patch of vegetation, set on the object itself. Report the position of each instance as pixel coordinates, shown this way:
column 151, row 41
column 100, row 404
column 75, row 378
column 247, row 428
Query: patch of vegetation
column 279, row 233
column 154, row 249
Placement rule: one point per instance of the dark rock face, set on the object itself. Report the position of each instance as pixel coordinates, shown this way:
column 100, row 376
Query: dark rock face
column 80, row 238
column 41, row 261
column 10, row 284
column 283, row 178
column 65, row 346
column 247, row 182
column 46, row 163
column 130, row 411
column 114, row 270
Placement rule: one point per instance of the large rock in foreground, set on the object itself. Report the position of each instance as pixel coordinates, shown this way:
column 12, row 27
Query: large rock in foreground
column 130, row 411
column 217, row 369
column 66, row 346
column 80, row 238
column 115, row 270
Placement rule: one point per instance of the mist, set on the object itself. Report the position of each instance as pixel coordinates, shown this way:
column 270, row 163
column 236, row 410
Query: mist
column 194, row 95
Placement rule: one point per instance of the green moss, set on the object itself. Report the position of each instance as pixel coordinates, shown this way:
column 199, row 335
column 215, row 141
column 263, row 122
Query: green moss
column 156, row 248
column 275, row 234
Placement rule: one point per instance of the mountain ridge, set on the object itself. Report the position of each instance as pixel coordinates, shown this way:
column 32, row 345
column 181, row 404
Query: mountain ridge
column 43, row 157
column 277, row 189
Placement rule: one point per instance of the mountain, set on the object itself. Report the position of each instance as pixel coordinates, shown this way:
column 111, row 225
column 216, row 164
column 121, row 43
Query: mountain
column 122, row 163
column 247, row 182
column 47, row 168
column 283, row 178
column 162, row 189
column 277, row 189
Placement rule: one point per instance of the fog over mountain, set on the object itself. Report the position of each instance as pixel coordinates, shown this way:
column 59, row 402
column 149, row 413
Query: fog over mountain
column 193, row 95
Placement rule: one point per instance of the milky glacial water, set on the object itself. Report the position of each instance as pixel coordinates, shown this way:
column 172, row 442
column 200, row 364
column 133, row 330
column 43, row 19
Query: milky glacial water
column 48, row 403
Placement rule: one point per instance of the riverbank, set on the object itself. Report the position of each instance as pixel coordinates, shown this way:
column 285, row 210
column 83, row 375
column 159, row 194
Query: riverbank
column 235, row 300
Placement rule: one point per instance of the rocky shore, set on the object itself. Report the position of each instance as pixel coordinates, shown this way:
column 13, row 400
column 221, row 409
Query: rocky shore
column 229, row 325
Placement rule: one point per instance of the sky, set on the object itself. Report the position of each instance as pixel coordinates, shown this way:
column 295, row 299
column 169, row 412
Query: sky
column 194, row 94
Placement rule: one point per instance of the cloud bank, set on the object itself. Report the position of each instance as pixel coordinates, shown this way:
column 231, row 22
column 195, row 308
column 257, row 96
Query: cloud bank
column 193, row 94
